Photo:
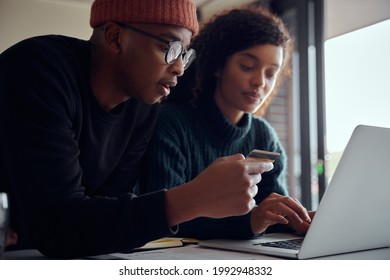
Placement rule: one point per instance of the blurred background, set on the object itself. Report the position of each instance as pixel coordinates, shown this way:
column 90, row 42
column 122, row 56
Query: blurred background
column 340, row 72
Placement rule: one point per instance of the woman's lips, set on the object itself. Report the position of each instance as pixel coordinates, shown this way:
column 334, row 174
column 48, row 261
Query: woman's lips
column 253, row 97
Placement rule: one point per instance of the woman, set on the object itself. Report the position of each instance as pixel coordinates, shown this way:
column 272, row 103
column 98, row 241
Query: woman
column 241, row 55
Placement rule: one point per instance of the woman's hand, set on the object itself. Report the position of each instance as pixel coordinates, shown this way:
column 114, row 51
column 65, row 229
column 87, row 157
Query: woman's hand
column 279, row 209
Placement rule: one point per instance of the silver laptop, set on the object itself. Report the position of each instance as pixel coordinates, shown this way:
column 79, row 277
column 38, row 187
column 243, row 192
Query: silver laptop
column 354, row 213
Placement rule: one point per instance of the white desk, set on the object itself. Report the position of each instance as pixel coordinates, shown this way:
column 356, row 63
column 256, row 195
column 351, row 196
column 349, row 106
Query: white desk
column 194, row 252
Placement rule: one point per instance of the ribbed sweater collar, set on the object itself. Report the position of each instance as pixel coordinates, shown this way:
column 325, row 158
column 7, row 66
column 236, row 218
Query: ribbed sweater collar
column 220, row 126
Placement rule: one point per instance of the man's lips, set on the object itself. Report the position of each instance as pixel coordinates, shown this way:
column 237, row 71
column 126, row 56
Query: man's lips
column 167, row 85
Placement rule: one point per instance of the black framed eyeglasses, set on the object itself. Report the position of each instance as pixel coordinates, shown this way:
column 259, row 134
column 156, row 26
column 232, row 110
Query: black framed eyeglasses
column 174, row 51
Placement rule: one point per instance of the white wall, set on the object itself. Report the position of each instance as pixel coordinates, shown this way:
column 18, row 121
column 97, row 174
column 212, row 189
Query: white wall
column 343, row 16
column 20, row 19
column 209, row 8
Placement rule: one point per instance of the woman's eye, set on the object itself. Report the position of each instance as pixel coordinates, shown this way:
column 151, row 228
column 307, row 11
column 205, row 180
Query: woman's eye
column 246, row 67
column 270, row 75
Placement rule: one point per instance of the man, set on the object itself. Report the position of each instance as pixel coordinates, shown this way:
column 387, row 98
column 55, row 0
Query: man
column 75, row 119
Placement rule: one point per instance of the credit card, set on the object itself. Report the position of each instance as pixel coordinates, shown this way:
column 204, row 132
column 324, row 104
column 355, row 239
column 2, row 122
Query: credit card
column 261, row 155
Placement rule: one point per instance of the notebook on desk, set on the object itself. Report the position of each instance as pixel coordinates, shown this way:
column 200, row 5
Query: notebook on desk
column 354, row 213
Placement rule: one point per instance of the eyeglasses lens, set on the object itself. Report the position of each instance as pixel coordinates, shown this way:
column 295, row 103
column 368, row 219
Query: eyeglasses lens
column 188, row 58
column 175, row 50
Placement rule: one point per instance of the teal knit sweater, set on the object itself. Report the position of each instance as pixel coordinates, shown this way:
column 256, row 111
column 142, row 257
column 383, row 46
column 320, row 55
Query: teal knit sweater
column 189, row 138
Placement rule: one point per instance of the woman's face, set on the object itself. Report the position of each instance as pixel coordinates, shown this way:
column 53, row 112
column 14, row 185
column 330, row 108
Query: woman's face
column 247, row 79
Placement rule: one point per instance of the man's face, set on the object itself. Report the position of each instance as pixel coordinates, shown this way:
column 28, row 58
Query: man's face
column 142, row 72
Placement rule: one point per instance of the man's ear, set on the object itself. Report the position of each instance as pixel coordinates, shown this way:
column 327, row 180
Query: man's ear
column 112, row 36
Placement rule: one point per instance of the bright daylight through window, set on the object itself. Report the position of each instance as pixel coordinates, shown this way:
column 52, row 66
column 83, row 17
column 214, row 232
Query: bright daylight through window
column 357, row 84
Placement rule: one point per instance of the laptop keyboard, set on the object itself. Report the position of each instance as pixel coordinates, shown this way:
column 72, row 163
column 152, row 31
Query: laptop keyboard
column 294, row 244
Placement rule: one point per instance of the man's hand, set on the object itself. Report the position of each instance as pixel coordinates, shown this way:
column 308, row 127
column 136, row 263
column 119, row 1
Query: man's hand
column 225, row 188
column 12, row 238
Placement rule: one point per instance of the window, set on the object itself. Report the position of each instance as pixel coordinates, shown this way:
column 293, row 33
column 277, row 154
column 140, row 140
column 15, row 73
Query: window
column 357, row 85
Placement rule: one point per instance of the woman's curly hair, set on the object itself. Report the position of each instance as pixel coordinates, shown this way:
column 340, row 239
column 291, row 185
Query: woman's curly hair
column 228, row 33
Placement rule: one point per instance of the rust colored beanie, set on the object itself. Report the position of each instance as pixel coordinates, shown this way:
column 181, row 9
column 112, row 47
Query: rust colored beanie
column 176, row 12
